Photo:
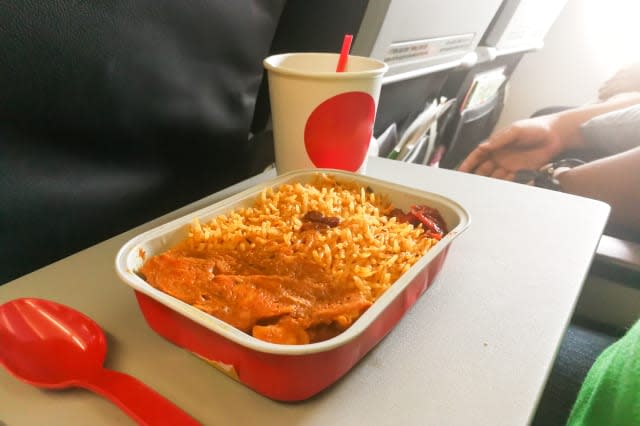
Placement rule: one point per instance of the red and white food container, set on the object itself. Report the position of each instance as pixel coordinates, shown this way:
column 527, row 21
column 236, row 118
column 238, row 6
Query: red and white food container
column 284, row 372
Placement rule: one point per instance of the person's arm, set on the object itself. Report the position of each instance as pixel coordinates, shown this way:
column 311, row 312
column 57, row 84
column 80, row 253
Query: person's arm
column 626, row 79
column 532, row 143
column 569, row 122
column 614, row 180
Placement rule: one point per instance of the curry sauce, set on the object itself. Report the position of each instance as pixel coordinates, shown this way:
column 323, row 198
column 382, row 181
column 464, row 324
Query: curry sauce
column 274, row 297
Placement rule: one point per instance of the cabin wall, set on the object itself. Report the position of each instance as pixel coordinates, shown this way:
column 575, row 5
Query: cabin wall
column 587, row 43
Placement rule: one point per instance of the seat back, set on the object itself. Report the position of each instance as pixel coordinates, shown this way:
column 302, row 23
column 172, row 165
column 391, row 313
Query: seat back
column 113, row 113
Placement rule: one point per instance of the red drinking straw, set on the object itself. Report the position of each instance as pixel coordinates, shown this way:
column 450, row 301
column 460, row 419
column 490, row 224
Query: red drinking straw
column 344, row 53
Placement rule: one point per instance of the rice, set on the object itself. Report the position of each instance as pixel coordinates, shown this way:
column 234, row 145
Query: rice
column 367, row 249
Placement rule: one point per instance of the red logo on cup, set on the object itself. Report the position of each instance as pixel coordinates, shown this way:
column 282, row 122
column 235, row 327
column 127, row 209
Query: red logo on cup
column 338, row 131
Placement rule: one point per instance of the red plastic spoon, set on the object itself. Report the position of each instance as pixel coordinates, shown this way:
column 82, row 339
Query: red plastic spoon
column 53, row 346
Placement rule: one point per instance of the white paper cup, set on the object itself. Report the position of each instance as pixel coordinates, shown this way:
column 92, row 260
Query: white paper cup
column 322, row 118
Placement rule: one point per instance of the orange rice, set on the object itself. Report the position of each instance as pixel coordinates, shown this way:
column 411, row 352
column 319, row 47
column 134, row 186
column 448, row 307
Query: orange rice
column 367, row 249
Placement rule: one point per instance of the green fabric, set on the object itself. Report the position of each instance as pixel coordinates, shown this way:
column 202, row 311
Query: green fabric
column 610, row 394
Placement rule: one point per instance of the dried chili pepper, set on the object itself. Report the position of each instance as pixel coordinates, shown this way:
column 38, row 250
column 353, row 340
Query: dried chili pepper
column 431, row 220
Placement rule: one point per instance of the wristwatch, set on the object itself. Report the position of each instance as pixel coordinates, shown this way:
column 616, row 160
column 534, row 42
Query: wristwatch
column 547, row 175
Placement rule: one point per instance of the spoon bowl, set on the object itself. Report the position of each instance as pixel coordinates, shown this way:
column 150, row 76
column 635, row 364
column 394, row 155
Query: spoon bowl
column 49, row 345
column 53, row 346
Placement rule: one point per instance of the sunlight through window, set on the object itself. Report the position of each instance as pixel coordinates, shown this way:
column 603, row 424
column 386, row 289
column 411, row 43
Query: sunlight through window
column 615, row 32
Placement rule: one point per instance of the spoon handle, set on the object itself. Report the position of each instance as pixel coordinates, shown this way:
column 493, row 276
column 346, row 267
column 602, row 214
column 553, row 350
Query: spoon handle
column 143, row 404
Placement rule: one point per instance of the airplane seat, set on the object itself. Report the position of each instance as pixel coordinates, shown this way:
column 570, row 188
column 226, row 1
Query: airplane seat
column 111, row 116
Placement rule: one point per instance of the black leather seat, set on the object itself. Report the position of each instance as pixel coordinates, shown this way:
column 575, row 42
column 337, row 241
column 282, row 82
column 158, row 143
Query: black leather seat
column 112, row 113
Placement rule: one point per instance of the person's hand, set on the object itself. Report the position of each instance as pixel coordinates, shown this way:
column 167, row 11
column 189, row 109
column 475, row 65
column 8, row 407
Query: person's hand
column 625, row 80
column 526, row 144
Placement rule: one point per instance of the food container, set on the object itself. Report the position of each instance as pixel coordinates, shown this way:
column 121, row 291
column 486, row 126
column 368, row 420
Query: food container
column 284, row 372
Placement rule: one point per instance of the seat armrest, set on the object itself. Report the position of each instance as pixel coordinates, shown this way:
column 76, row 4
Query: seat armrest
column 611, row 293
column 618, row 252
